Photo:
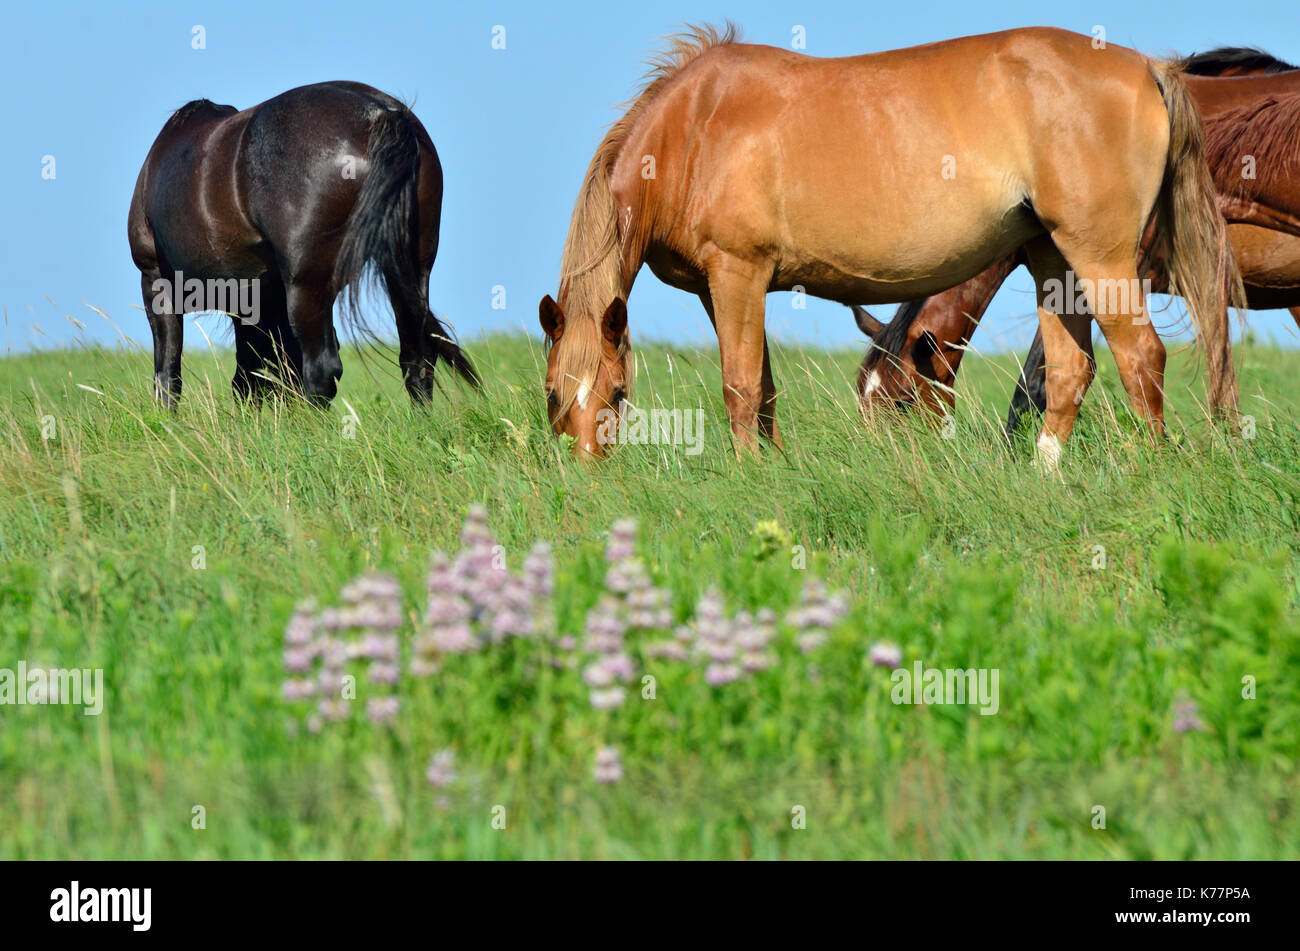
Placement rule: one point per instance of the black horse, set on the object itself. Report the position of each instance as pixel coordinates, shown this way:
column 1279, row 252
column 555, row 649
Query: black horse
column 293, row 198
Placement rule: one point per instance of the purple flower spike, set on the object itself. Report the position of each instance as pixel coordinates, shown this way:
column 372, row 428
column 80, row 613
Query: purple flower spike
column 474, row 531
column 539, row 572
column 423, row 667
column 1186, row 719
column 382, row 709
column 303, row 625
column 608, row 699
column 886, row 655
column 334, row 710
column 297, row 660
column 668, row 650
column 598, row 675
column 811, row 641
column 442, row 769
column 719, row 674
column 454, row 639
column 298, row 689
column 622, row 540
column 609, row 768
column 440, row 579
column 384, row 672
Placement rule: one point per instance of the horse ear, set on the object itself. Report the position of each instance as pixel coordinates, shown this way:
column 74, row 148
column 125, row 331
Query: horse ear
column 866, row 323
column 614, row 323
column 929, row 352
column 925, row 347
column 551, row 317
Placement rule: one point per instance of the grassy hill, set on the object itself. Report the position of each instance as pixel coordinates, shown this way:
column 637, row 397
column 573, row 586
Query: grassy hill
column 1140, row 609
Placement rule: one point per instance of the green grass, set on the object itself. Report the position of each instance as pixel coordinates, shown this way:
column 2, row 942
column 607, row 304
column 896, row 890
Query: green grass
column 955, row 549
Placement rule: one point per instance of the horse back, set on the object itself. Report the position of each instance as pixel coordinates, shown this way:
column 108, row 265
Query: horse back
column 839, row 168
column 228, row 193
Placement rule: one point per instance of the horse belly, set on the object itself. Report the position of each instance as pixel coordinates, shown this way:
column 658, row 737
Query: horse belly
column 905, row 245
column 210, row 254
column 1266, row 258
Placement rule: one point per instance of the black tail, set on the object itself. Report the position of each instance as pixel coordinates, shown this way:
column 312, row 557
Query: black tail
column 383, row 230
column 1031, row 388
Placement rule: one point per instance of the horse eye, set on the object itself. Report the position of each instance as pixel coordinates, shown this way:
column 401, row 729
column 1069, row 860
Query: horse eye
column 619, row 395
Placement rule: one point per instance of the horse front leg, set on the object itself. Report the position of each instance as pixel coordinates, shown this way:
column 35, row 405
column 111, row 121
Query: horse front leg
column 737, row 292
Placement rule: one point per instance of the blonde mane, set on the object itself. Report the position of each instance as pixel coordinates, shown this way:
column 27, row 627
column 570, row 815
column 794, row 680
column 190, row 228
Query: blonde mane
column 592, row 266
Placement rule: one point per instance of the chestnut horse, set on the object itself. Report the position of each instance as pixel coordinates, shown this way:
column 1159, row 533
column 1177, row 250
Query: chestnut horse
column 742, row 169
column 297, row 194
column 915, row 357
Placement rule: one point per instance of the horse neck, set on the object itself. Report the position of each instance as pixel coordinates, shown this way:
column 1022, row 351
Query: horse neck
column 953, row 315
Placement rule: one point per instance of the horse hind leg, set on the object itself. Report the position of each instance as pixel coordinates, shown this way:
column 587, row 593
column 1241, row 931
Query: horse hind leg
column 168, row 331
column 1119, row 307
column 1067, row 348
column 418, row 352
column 311, row 318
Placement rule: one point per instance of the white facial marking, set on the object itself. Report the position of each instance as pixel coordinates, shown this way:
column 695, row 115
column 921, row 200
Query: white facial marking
column 1049, row 452
column 584, row 393
column 872, row 384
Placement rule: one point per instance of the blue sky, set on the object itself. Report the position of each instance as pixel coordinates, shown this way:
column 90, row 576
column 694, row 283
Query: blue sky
column 92, row 83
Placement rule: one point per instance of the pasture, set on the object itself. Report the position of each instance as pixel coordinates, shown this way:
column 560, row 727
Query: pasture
column 1128, row 602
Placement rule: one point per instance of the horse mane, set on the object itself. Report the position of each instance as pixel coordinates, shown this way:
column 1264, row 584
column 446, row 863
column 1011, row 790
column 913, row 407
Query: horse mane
column 191, row 109
column 890, row 341
column 1268, row 130
column 1239, row 59
column 591, row 266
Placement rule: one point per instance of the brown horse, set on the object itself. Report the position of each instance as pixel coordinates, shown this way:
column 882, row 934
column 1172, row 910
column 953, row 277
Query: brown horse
column 293, row 197
column 742, row 169
column 915, row 357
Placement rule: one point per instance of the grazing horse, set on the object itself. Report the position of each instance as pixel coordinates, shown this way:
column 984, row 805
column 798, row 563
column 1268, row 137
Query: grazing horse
column 1252, row 141
column 742, row 169
column 297, row 194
